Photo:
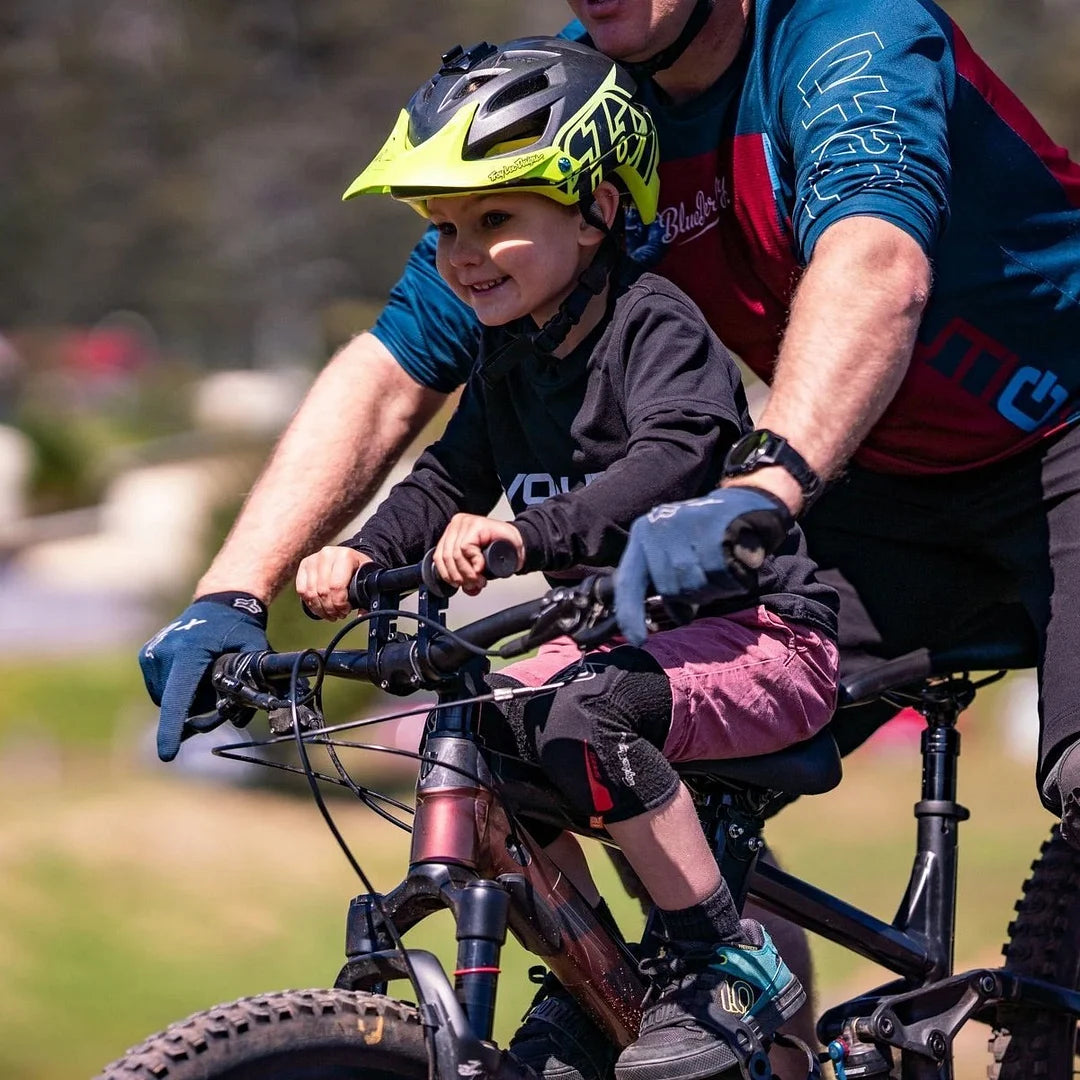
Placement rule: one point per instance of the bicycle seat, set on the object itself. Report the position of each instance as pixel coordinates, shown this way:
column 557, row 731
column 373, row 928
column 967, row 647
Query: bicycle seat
column 1003, row 640
column 806, row 768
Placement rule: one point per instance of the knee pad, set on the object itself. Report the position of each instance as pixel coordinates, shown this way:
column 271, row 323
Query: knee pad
column 601, row 739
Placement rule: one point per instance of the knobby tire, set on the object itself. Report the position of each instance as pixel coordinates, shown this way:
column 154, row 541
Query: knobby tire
column 1044, row 942
column 291, row 1035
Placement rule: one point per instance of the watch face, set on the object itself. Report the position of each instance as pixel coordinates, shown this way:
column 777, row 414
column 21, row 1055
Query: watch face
column 750, row 449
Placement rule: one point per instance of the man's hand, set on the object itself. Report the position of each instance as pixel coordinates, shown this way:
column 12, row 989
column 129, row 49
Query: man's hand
column 176, row 662
column 323, row 579
column 696, row 551
column 459, row 554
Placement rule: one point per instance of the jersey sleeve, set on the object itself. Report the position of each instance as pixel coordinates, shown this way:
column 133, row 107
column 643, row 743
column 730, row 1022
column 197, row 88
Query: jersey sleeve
column 681, row 398
column 864, row 88
column 456, row 474
column 428, row 330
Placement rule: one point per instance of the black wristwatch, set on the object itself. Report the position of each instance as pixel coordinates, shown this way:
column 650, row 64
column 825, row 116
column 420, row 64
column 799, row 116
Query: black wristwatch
column 762, row 448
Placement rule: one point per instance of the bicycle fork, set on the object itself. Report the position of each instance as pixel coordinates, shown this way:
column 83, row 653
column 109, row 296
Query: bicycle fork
column 466, row 856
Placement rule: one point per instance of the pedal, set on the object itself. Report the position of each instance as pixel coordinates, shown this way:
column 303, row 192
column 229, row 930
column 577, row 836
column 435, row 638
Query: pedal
column 854, row 1059
column 751, row 1057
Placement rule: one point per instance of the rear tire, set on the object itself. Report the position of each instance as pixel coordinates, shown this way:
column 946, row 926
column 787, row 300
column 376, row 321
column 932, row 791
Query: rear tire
column 291, row 1035
column 1044, row 942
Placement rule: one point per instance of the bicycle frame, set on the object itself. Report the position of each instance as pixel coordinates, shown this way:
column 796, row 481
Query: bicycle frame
column 920, row 1013
column 469, row 856
column 463, row 844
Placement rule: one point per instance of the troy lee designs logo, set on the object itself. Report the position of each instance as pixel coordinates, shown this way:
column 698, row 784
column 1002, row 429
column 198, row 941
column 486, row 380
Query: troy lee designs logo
column 515, row 166
column 683, row 222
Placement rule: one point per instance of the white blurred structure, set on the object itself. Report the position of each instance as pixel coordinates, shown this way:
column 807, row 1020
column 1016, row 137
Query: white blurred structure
column 16, row 460
column 99, row 566
column 256, row 402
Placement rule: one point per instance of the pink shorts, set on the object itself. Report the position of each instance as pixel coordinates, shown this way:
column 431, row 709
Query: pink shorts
column 742, row 684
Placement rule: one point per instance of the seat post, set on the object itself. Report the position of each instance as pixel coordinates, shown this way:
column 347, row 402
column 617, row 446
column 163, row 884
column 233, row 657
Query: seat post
column 737, row 842
column 929, row 905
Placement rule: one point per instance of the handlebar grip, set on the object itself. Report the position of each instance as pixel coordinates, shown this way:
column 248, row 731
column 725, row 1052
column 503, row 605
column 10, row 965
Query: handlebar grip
column 359, row 599
column 500, row 560
column 224, row 664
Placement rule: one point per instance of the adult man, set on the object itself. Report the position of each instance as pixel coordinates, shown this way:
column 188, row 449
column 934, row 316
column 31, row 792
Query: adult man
column 891, row 143
column 842, row 144
column 880, row 143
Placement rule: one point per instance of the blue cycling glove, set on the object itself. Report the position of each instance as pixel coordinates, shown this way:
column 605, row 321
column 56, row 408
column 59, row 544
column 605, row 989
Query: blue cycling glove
column 176, row 662
column 697, row 551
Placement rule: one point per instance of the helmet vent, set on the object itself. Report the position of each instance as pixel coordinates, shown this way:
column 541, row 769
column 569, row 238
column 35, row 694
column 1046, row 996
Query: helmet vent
column 470, row 86
column 536, row 83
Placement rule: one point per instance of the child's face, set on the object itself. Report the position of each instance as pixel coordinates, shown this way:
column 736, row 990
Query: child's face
column 508, row 255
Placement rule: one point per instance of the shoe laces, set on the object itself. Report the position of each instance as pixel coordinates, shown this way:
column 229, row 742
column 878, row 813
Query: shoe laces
column 687, row 971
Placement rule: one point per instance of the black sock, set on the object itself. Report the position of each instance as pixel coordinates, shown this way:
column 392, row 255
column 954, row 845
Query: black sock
column 713, row 919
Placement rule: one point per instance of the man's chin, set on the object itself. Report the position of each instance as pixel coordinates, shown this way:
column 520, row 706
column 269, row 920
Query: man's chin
column 615, row 37
column 610, row 41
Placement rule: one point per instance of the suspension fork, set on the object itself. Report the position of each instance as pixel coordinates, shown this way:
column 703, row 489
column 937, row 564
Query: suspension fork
column 458, row 822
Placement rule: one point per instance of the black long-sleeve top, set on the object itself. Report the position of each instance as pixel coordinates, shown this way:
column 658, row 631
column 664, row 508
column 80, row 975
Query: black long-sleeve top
column 641, row 412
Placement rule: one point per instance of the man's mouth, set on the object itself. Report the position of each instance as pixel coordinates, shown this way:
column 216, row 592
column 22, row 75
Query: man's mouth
column 600, row 8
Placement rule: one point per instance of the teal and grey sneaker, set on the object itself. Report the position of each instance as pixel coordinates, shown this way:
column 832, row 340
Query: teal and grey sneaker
column 558, row 1040
column 700, row 993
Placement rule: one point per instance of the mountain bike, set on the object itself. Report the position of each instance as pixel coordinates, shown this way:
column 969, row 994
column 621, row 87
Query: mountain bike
column 472, row 853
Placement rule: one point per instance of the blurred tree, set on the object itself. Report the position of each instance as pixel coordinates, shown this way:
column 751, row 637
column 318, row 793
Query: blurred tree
column 185, row 158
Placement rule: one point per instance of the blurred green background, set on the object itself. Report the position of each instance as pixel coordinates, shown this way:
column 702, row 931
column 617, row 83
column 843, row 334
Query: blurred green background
column 176, row 265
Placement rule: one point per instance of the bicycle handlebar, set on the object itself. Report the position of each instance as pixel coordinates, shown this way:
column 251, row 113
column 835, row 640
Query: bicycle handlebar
column 412, row 663
column 371, row 580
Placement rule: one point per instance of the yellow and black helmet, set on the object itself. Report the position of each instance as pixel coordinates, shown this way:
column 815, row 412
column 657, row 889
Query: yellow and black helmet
column 537, row 114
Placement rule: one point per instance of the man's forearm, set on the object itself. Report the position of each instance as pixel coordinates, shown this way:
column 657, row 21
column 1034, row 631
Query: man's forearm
column 358, row 417
column 847, row 347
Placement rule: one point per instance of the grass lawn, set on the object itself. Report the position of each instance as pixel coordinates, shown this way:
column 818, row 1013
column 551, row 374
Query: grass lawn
column 131, row 897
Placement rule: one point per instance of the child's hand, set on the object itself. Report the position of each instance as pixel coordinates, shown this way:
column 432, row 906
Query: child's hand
column 322, row 580
column 459, row 555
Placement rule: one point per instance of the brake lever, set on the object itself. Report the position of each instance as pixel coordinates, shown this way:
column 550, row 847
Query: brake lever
column 596, row 633
column 563, row 614
column 238, row 692
column 590, row 621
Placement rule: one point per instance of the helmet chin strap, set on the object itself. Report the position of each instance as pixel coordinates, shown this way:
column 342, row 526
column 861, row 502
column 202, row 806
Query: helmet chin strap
column 646, row 69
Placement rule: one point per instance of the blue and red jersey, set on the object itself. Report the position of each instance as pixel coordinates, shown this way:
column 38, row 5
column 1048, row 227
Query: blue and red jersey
column 836, row 108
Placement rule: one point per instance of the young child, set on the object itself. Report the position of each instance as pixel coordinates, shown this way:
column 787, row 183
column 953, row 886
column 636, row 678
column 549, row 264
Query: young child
column 597, row 393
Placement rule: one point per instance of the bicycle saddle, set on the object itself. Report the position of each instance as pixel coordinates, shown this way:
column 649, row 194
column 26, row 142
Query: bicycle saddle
column 806, row 768
column 1003, row 639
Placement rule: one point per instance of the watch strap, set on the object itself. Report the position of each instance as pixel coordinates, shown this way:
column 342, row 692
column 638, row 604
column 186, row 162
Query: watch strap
column 761, row 449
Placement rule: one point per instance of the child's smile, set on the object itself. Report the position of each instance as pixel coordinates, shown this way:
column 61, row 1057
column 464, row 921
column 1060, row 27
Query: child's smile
column 511, row 254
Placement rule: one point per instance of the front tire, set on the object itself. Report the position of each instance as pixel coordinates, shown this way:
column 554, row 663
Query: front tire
column 1044, row 942
column 291, row 1035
